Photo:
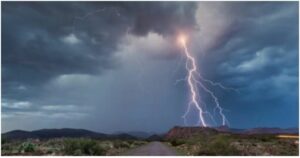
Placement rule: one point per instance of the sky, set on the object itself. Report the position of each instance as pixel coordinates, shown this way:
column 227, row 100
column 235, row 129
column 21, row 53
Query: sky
column 113, row 66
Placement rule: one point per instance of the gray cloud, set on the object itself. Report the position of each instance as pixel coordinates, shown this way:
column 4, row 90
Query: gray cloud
column 257, row 53
column 115, row 64
column 49, row 39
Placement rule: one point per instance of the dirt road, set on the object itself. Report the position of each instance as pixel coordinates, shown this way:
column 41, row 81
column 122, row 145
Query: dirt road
column 153, row 149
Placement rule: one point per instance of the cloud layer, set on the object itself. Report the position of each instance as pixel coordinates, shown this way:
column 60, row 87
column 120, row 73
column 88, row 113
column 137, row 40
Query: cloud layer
column 113, row 65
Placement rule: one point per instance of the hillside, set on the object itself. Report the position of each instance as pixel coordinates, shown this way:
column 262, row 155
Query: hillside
column 64, row 132
column 186, row 132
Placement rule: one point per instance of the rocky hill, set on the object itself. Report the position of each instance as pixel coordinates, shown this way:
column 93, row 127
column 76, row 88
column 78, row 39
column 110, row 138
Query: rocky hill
column 186, row 132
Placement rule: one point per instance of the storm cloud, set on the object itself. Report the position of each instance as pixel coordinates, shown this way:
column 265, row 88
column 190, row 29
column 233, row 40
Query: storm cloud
column 112, row 65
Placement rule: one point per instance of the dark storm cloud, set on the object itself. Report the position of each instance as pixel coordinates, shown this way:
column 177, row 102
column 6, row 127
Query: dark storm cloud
column 165, row 18
column 258, row 54
column 266, row 29
column 42, row 40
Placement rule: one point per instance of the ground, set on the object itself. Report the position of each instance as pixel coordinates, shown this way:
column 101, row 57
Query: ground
column 153, row 149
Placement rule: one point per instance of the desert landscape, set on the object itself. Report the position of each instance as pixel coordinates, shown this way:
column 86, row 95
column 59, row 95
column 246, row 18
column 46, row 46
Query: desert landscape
column 188, row 141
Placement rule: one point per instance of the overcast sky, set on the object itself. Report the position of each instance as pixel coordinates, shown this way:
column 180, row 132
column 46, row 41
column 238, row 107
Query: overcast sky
column 110, row 66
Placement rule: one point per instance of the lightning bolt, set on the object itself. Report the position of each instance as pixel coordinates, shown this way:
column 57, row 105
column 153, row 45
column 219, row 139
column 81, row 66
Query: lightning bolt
column 194, row 79
column 191, row 67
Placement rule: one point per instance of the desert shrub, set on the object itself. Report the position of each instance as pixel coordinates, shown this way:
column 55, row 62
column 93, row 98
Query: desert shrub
column 177, row 142
column 117, row 143
column 106, row 145
column 6, row 147
column 220, row 145
column 265, row 137
column 4, row 140
column 130, row 141
column 27, row 147
column 121, row 144
column 52, row 142
column 83, row 147
column 77, row 152
column 260, row 137
column 138, row 143
column 287, row 148
column 125, row 144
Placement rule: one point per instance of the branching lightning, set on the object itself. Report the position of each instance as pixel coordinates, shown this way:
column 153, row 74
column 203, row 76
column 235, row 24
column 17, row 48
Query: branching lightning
column 192, row 69
column 194, row 79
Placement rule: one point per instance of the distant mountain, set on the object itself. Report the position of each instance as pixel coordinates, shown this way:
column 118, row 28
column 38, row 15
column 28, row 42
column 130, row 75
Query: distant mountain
column 138, row 134
column 185, row 132
column 272, row 131
column 262, row 130
column 18, row 134
column 176, row 132
column 59, row 133
column 121, row 136
column 67, row 132
column 155, row 137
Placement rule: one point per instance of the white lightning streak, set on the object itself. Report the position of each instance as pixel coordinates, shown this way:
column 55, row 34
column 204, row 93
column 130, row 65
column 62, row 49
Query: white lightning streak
column 217, row 84
column 192, row 74
column 193, row 88
column 216, row 100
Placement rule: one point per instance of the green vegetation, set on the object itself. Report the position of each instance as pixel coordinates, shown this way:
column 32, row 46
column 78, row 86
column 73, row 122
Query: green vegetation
column 4, row 140
column 223, row 144
column 177, row 142
column 27, row 147
column 68, row 146
column 220, row 145
column 122, row 144
column 83, row 147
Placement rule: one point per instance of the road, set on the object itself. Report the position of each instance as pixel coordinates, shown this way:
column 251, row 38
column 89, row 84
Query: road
column 152, row 149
